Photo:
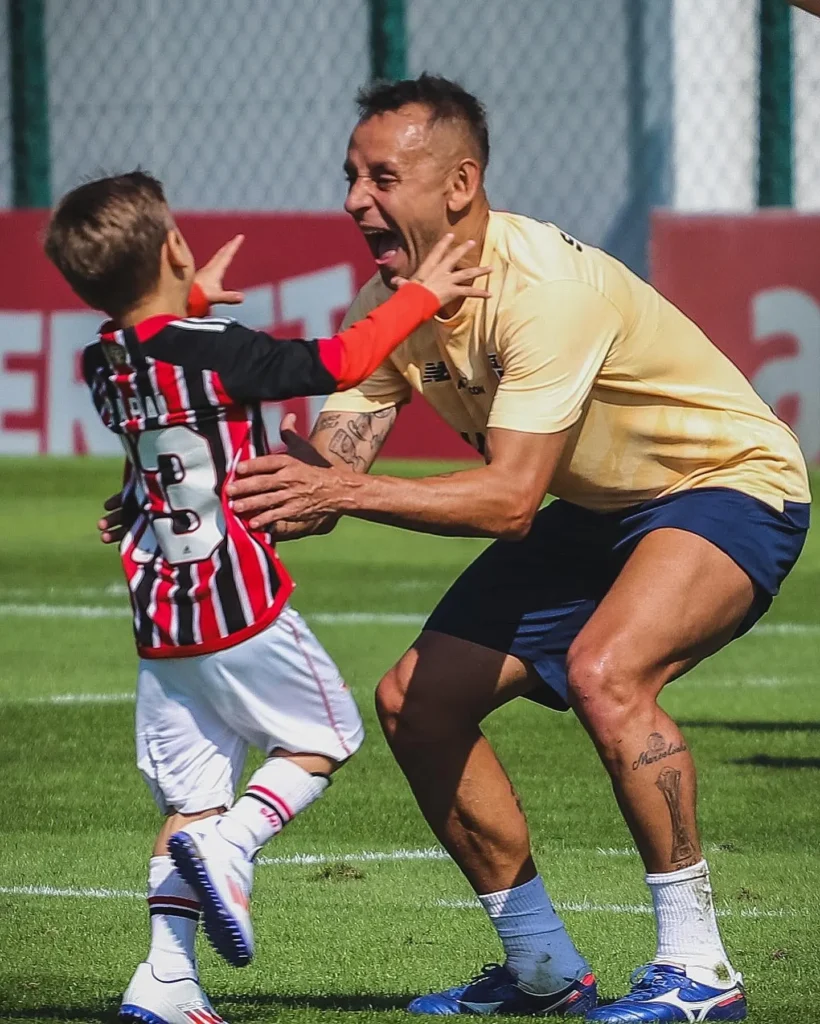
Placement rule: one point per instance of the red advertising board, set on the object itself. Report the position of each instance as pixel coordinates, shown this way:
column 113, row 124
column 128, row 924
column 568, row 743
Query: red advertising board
column 299, row 273
column 752, row 283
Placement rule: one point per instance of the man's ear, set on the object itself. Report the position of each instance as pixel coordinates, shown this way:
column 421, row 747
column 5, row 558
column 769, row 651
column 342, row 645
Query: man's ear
column 176, row 250
column 465, row 184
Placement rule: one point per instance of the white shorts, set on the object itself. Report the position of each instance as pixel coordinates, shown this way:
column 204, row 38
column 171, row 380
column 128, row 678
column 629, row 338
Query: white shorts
column 197, row 716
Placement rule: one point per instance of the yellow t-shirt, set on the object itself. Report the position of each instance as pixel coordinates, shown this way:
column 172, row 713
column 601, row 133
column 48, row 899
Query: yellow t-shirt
column 571, row 339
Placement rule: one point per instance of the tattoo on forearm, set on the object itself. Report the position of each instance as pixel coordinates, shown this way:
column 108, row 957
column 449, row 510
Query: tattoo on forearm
column 358, row 440
column 668, row 782
column 657, row 748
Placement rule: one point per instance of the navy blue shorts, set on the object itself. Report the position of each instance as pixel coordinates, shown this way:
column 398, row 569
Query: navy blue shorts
column 531, row 598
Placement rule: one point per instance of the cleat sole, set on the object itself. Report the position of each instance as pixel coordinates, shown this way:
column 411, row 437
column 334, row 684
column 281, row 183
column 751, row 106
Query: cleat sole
column 220, row 927
column 138, row 1015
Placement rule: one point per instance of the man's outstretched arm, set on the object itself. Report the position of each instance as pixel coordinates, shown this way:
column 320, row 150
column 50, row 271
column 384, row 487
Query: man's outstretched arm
column 496, row 500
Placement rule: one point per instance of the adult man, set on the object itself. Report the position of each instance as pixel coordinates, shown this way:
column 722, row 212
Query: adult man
column 685, row 504
column 578, row 379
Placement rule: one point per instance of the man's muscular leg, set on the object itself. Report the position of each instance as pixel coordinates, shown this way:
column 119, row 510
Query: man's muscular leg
column 430, row 706
column 677, row 600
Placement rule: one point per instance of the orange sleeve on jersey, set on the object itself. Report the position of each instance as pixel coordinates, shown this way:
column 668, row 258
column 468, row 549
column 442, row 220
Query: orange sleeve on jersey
column 354, row 354
column 198, row 304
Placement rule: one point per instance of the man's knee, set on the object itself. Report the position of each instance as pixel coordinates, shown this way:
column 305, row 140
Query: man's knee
column 607, row 688
column 409, row 710
column 390, row 696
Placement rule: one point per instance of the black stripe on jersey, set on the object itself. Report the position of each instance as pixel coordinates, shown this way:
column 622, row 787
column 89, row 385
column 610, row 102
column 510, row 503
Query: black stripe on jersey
column 184, row 605
column 144, row 628
column 136, row 358
column 143, row 385
column 226, row 588
column 197, row 395
column 258, row 431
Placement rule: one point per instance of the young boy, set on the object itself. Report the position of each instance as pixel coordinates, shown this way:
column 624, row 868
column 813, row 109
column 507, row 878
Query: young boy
column 224, row 662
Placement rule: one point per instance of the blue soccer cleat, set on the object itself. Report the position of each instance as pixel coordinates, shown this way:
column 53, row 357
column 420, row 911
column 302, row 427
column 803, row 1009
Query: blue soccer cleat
column 663, row 992
column 495, row 991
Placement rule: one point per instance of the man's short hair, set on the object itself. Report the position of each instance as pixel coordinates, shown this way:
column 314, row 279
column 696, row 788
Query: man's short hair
column 446, row 101
column 105, row 237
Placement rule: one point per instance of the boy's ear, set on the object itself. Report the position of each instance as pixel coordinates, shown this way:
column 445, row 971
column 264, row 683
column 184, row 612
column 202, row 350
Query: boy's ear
column 179, row 255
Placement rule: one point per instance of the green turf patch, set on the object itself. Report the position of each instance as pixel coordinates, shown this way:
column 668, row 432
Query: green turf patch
column 355, row 908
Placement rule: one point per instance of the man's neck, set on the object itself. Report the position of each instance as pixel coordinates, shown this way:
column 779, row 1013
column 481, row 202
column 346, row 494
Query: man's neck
column 159, row 304
column 474, row 226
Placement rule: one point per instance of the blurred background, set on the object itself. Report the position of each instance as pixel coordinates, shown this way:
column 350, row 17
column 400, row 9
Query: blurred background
column 681, row 135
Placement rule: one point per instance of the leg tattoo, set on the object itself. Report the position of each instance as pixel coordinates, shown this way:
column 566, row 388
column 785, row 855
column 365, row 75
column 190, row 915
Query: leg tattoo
column 668, row 782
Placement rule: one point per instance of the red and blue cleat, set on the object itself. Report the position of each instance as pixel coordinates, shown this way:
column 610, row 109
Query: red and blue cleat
column 664, row 992
column 495, row 991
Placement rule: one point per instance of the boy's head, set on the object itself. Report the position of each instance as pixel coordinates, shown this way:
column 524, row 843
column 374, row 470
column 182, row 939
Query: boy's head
column 115, row 242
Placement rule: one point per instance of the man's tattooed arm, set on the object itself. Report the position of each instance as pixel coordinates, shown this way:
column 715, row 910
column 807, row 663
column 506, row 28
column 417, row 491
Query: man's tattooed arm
column 353, row 439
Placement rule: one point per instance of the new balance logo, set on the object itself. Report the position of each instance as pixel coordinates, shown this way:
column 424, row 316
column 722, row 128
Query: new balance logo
column 435, row 373
column 495, row 362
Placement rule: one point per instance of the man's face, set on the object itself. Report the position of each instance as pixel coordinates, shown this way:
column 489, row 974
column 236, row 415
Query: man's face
column 398, row 187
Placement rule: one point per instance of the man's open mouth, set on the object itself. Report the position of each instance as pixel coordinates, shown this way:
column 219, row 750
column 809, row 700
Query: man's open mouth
column 384, row 244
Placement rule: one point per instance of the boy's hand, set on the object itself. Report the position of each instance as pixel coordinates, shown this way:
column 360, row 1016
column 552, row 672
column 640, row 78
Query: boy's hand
column 209, row 277
column 112, row 528
column 439, row 273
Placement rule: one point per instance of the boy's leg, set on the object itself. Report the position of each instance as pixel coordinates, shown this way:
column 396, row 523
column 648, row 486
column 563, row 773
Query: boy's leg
column 190, row 761
column 281, row 692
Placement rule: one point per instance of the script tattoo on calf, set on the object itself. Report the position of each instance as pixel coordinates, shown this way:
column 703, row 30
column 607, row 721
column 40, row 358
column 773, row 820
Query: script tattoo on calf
column 657, row 748
column 668, row 782
column 359, row 439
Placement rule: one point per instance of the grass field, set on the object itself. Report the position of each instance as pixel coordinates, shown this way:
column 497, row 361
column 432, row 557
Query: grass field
column 359, row 911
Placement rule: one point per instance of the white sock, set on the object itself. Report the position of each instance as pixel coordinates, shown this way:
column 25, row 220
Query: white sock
column 174, row 910
column 687, row 926
column 539, row 952
column 276, row 792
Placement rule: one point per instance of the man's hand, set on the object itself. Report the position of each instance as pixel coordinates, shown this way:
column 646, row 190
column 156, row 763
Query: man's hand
column 111, row 527
column 284, row 489
column 499, row 499
column 300, row 448
column 209, row 277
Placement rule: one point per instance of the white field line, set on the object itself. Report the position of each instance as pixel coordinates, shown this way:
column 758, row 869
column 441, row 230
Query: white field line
column 754, row 682
column 363, row 618
column 361, row 857
column 430, row 853
column 109, row 590
column 587, row 907
column 50, row 890
column 75, row 698
column 101, row 611
column 573, row 906
column 64, row 611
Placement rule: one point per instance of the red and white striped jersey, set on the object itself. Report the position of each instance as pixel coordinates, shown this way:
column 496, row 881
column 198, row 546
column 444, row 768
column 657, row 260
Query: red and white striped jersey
column 183, row 395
